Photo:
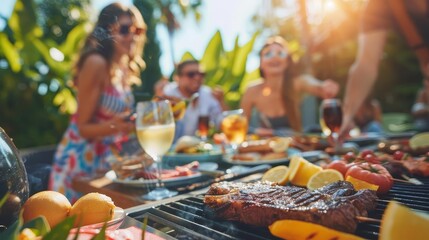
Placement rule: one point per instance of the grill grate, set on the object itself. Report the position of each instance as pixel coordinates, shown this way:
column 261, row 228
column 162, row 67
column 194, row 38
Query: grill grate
column 185, row 219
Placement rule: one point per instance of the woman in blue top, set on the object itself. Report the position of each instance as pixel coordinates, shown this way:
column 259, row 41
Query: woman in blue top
column 272, row 104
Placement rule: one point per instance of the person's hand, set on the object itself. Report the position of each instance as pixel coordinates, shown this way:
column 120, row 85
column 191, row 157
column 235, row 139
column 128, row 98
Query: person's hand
column 121, row 123
column 329, row 89
column 218, row 93
column 346, row 126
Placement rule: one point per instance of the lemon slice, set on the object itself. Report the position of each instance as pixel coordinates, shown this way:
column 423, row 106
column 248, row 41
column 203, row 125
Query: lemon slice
column 360, row 184
column 400, row 222
column 280, row 144
column 419, row 140
column 324, row 178
column 277, row 175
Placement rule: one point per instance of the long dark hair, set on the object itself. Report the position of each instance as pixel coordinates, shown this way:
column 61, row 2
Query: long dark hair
column 289, row 96
column 100, row 40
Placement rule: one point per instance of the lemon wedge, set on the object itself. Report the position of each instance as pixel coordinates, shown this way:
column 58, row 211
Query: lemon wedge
column 279, row 175
column 301, row 171
column 419, row 140
column 401, row 222
column 324, row 178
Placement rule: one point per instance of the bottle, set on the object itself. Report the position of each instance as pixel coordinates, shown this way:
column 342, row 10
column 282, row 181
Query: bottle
column 13, row 181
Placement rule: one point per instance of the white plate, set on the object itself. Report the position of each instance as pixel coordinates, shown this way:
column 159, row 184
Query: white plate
column 151, row 182
column 291, row 151
column 117, row 219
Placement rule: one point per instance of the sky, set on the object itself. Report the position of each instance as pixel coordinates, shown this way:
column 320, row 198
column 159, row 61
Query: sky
column 231, row 17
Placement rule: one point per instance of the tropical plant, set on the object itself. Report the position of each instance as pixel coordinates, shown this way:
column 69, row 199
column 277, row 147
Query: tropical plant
column 227, row 69
column 34, row 71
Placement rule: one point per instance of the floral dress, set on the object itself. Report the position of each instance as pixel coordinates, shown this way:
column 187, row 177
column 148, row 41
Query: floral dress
column 77, row 156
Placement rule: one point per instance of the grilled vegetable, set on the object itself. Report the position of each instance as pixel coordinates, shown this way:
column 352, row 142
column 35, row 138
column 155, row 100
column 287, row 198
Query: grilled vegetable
column 293, row 229
column 374, row 174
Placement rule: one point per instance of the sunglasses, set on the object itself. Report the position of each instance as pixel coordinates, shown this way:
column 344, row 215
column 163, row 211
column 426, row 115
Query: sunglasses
column 271, row 54
column 124, row 30
column 194, row 74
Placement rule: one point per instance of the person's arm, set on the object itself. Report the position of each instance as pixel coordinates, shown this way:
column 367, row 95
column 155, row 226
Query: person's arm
column 362, row 74
column 322, row 89
column 92, row 79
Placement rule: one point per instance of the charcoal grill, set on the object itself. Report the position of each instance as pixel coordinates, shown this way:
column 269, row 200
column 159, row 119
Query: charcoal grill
column 185, row 218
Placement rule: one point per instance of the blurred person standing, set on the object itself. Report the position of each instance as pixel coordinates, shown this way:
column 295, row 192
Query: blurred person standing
column 109, row 63
column 271, row 104
column 189, row 80
column 420, row 108
column 411, row 18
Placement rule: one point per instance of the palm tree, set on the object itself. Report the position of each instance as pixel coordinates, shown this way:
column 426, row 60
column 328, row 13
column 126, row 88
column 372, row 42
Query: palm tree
column 169, row 16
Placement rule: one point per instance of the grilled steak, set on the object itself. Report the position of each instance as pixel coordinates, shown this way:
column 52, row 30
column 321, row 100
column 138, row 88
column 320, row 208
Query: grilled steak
column 335, row 205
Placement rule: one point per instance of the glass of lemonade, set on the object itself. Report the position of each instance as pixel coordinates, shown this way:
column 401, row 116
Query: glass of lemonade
column 155, row 132
column 234, row 125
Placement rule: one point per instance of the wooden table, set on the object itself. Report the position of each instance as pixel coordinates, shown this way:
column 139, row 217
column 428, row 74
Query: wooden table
column 124, row 197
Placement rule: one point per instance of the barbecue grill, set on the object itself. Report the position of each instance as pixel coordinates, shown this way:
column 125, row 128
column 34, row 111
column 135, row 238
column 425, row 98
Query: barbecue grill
column 186, row 219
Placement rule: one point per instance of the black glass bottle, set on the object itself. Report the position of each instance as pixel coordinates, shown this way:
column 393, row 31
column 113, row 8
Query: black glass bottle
column 13, row 180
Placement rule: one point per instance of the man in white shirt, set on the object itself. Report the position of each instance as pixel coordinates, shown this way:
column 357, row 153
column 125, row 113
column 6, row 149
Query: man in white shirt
column 189, row 80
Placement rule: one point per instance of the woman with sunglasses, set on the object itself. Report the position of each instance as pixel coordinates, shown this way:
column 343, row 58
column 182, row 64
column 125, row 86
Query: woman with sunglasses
column 109, row 63
column 272, row 104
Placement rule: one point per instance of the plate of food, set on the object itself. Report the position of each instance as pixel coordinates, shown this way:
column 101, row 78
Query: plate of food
column 188, row 149
column 147, row 176
column 266, row 151
column 366, row 139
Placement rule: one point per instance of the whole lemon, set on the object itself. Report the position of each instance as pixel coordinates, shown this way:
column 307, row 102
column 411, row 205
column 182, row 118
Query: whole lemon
column 53, row 205
column 92, row 208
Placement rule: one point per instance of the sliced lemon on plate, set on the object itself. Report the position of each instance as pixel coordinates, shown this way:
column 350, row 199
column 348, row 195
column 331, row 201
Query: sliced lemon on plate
column 279, row 175
column 361, row 184
column 400, row 222
column 323, row 178
column 280, row 144
column 419, row 140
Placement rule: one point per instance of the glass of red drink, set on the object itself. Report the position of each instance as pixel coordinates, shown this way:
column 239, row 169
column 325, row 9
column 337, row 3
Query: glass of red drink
column 331, row 117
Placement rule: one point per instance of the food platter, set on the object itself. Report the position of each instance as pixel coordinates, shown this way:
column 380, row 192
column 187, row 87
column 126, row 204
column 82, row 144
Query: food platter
column 290, row 152
column 151, row 182
column 172, row 158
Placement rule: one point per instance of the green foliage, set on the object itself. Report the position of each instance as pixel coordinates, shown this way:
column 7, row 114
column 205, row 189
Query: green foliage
column 35, row 66
column 152, row 51
column 227, row 69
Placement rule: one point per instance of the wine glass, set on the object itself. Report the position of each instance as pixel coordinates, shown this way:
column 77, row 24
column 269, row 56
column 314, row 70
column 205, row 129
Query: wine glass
column 234, row 125
column 331, row 117
column 155, row 132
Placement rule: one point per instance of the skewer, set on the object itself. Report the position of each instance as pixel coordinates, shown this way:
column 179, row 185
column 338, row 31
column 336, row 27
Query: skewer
column 367, row 219
column 409, row 180
column 412, row 180
column 401, row 180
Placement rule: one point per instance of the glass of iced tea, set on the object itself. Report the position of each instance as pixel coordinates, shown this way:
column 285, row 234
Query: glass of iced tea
column 234, row 125
column 331, row 118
